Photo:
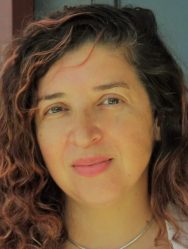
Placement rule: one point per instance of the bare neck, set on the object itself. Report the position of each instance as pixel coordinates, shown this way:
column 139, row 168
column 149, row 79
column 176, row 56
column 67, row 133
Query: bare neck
column 117, row 222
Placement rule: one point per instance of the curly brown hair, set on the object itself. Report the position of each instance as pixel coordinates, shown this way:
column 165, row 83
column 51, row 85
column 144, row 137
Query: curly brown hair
column 31, row 207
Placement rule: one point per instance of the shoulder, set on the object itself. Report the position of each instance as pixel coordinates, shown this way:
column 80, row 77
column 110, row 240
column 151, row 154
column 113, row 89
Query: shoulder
column 183, row 223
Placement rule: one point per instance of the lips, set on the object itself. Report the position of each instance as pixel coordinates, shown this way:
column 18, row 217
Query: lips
column 89, row 161
column 91, row 166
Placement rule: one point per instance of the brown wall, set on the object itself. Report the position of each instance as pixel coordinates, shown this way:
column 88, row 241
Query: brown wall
column 5, row 23
column 23, row 11
column 14, row 14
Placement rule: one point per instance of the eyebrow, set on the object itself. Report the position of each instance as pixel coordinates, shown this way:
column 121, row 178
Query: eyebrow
column 103, row 87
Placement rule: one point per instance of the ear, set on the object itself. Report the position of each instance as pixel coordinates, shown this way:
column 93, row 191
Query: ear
column 157, row 130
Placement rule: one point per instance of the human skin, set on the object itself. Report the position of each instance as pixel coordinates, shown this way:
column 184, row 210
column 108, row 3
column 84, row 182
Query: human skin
column 84, row 122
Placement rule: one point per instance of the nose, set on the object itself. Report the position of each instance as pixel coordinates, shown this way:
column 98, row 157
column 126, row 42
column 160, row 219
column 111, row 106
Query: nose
column 84, row 131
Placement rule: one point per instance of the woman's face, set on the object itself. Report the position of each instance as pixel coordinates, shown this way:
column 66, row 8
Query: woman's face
column 95, row 113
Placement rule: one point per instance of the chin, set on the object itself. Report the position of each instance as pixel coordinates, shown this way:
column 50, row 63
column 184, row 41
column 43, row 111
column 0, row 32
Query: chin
column 99, row 200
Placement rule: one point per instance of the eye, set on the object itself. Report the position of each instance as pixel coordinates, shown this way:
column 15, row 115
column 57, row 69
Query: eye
column 55, row 110
column 112, row 101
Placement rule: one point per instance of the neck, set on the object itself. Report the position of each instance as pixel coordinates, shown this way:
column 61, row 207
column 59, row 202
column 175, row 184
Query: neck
column 118, row 221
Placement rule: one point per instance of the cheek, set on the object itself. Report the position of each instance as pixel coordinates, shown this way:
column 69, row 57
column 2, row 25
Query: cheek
column 139, row 146
column 51, row 139
column 131, row 128
column 135, row 143
column 134, row 139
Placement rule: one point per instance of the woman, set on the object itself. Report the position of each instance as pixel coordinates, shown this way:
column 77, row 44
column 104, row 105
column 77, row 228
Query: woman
column 93, row 131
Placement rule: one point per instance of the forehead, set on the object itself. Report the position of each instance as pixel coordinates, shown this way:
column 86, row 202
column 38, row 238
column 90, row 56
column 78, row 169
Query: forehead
column 87, row 53
column 87, row 65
